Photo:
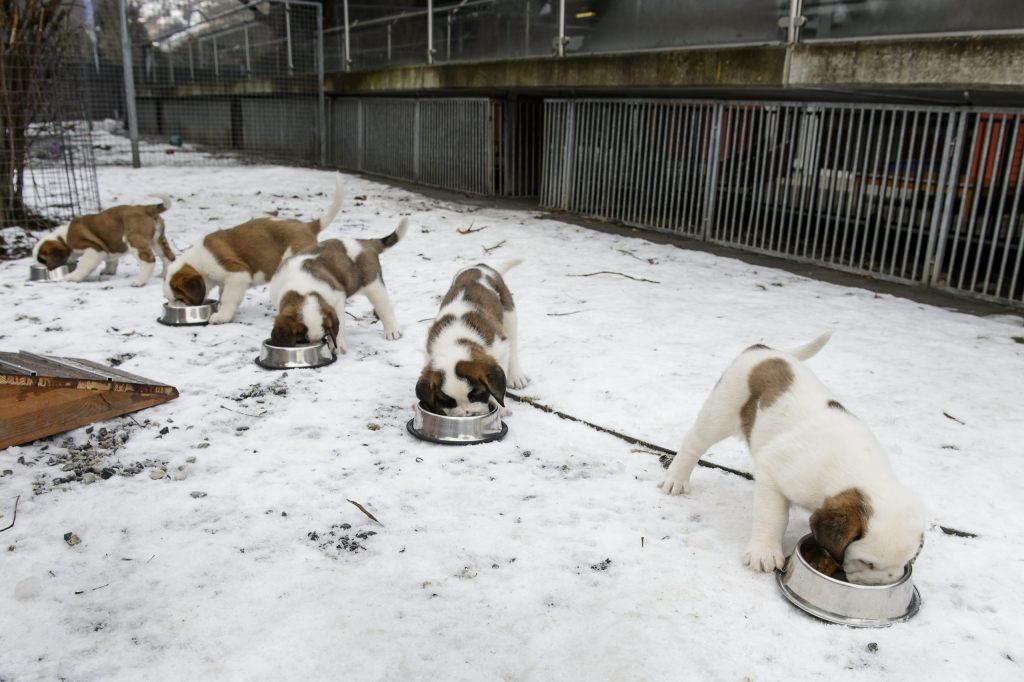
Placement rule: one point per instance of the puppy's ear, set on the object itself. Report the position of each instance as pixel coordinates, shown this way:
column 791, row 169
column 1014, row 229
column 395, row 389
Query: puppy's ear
column 427, row 387
column 332, row 325
column 485, row 373
column 840, row 520
column 54, row 254
column 188, row 286
column 287, row 331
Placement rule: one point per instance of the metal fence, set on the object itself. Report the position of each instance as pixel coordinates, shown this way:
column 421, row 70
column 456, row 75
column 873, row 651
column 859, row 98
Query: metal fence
column 914, row 194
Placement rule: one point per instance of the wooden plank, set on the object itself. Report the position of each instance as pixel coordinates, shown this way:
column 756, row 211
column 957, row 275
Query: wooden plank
column 87, row 384
column 28, row 413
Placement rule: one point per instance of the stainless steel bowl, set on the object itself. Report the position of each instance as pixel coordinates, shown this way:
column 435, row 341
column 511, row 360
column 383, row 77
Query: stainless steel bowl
column 178, row 314
column 438, row 428
column 837, row 601
column 295, row 357
column 37, row 272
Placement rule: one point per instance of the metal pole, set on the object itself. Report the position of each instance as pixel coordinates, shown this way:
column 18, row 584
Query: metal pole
column 526, row 38
column 795, row 16
column 389, row 42
column 248, row 61
column 348, row 54
column 191, row 62
column 430, row 31
column 129, row 86
column 561, row 28
column 321, row 99
column 288, row 36
column 216, row 58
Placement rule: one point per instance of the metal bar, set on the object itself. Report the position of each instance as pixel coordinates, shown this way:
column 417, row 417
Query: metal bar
column 430, row 31
column 1010, row 225
column 711, row 176
column 983, row 229
column 873, row 176
column 321, row 121
column 288, row 37
column 347, row 66
column 129, row 86
column 1007, row 174
column 248, row 61
column 828, row 122
column 561, row 28
column 216, row 58
column 569, row 151
column 975, row 201
column 920, row 232
column 915, row 132
column 793, row 28
column 882, row 184
column 934, row 255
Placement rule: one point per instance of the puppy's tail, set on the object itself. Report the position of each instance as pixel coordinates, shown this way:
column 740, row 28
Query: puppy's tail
column 508, row 265
column 811, row 349
column 334, row 208
column 396, row 236
column 157, row 209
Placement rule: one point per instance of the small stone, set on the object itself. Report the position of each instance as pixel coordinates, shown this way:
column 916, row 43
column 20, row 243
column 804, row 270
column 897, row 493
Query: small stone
column 157, row 474
column 103, row 431
column 90, row 478
column 89, row 430
column 7, row 472
column 200, row 446
column 197, row 494
column 68, row 467
column 242, row 428
column 872, row 647
column 72, row 539
column 164, row 431
column 373, row 426
column 190, row 460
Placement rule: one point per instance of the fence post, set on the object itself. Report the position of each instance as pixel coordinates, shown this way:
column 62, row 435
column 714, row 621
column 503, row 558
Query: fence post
column 711, row 175
column 568, row 153
column 321, row 97
column 949, row 177
column 794, row 21
column 348, row 54
column 129, row 86
column 248, row 60
column 288, row 37
column 561, row 28
column 430, row 31
column 416, row 137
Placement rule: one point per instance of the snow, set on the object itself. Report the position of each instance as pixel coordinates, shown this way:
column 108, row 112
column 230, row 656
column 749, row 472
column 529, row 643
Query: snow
column 491, row 561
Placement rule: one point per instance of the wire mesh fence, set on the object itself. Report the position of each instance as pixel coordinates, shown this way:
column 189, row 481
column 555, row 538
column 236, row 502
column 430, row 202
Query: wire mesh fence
column 47, row 172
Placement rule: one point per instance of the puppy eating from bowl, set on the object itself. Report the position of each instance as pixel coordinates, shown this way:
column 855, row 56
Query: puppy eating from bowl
column 472, row 350
column 106, row 236
column 311, row 288
column 808, row 450
column 239, row 257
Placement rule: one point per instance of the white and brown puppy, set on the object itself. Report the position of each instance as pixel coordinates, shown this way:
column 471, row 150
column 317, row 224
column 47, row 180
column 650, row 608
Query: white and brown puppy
column 106, row 236
column 239, row 257
column 311, row 288
column 471, row 347
column 808, row 451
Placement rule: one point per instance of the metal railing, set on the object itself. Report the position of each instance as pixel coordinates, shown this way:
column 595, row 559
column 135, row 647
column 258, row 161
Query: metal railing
column 927, row 195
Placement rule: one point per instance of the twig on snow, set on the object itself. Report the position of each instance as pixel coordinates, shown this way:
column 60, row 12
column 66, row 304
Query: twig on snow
column 488, row 249
column 363, row 509
column 947, row 415
column 470, row 230
column 244, row 414
column 957, row 533
column 609, row 272
column 571, row 312
column 13, row 518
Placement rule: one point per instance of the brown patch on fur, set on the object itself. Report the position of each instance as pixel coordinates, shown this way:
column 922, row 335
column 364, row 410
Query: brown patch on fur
column 504, row 295
column 333, row 265
column 428, row 387
column 483, row 371
column 841, row 519
column 188, row 285
column 53, row 253
column 440, row 324
column 836, row 405
column 289, row 330
column 257, row 246
column 487, row 316
column 768, row 380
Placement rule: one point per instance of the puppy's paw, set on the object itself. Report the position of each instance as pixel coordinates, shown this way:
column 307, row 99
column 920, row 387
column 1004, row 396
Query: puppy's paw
column 764, row 558
column 506, row 411
column 72, row 277
column 393, row 335
column 673, row 485
column 518, row 380
column 138, row 283
column 220, row 317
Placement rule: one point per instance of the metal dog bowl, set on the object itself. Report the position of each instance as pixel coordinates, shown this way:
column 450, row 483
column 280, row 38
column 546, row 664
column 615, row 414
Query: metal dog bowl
column 37, row 272
column 837, row 601
column 295, row 357
column 178, row 314
column 438, row 428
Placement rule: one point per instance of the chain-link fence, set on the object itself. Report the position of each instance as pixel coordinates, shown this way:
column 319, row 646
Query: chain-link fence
column 47, row 173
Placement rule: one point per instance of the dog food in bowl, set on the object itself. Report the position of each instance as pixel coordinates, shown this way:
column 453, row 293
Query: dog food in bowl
column 832, row 599
column 445, row 430
column 304, row 356
column 178, row 314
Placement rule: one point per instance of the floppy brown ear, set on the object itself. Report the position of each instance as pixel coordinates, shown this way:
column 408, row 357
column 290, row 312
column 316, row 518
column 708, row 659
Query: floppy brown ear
column 427, row 387
column 840, row 520
column 332, row 325
column 287, row 332
column 188, row 285
column 485, row 373
column 54, row 254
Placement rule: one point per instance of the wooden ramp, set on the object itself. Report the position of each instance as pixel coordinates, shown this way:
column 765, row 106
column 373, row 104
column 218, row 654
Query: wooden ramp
column 42, row 395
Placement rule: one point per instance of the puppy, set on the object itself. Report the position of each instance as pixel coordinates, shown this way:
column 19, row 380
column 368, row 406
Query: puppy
column 472, row 346
column 104, row 237
column 808, row 451
column 240, row 257
column 311, row 287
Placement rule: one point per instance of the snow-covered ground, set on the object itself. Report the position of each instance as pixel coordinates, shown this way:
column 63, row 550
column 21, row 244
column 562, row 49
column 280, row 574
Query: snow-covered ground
column 550, row 555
